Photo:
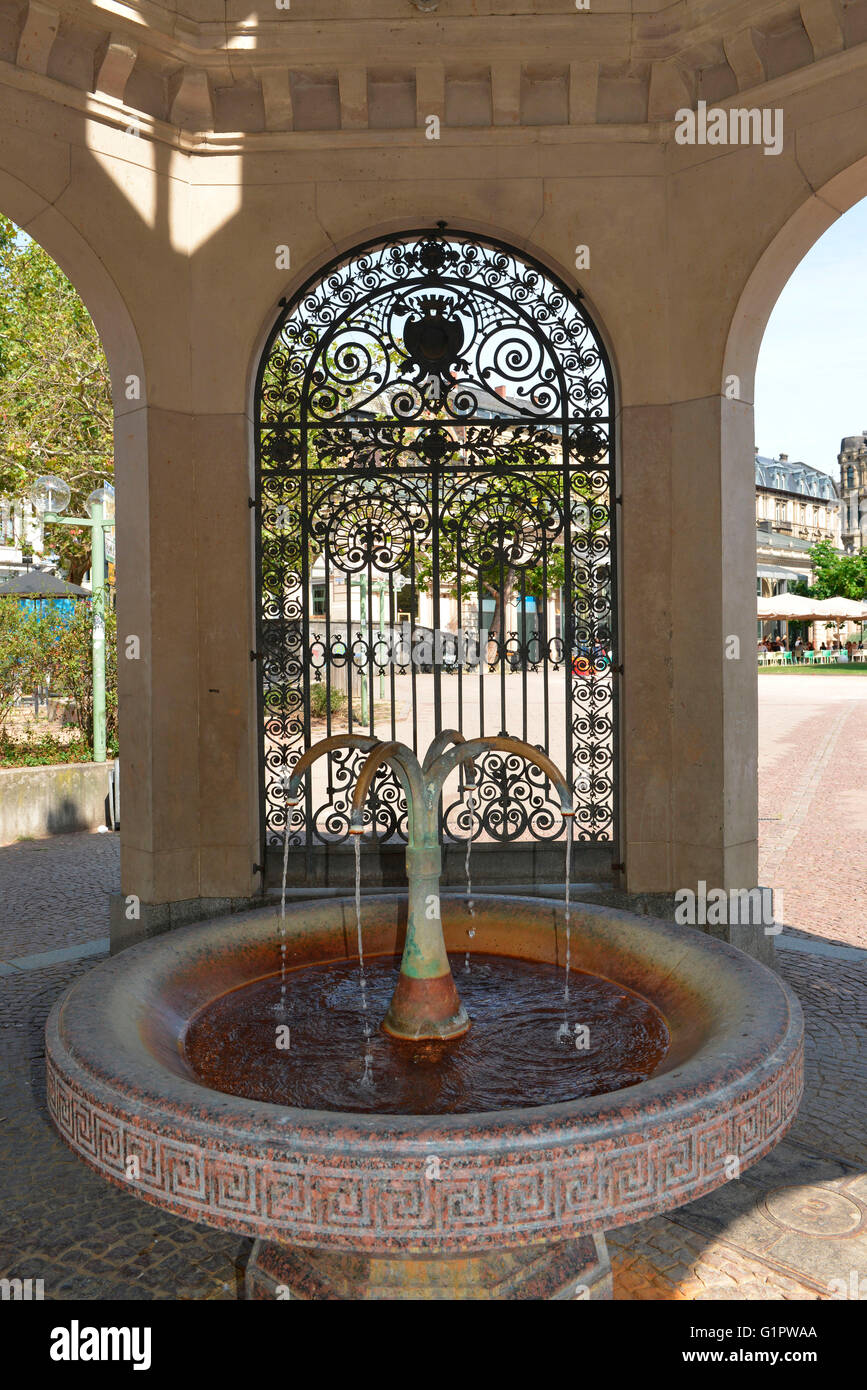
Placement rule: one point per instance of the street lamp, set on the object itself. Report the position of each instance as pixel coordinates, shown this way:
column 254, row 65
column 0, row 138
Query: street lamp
column 50, row 496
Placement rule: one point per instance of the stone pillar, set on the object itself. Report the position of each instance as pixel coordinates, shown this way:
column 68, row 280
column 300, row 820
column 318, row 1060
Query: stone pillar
column 188, row 767
column 689, row 716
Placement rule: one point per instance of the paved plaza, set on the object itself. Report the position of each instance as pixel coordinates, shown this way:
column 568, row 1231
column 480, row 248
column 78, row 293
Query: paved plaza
column 795, row 1225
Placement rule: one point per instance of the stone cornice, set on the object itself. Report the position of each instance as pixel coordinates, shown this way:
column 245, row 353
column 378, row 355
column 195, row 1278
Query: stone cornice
column 218, row 86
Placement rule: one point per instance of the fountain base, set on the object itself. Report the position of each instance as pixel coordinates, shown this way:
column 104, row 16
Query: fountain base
column 428, row 1008
column 566, row 1269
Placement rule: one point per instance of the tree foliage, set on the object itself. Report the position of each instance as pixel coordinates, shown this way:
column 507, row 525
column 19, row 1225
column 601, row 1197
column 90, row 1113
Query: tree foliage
column 48, row 649
column 21, row 648
column 835, row 575
column 55, row 394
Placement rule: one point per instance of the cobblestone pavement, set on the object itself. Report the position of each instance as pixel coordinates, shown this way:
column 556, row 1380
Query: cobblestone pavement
column 62, row 1223
column 813, row 802
column 54, row 892
column 796, row 1221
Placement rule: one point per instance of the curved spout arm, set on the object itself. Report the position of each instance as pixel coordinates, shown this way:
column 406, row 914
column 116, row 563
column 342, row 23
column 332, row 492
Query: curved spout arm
column 364, row 742
column 439, row 745
column 406, row 765
column 475, row 747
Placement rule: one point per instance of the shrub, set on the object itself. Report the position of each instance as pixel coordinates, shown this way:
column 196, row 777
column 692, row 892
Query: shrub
column 319, row 700
column 49, row 648
column 26, row 653
column 73, row 672
column 38, row 752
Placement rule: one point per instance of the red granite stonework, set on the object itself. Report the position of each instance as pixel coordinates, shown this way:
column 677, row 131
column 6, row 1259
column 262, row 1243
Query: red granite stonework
column 119, row 1089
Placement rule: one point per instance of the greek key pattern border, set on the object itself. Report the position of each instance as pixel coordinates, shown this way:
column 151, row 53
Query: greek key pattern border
column 476, row 1200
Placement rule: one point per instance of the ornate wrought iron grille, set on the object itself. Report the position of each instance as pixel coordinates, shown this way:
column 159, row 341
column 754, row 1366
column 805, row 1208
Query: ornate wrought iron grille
column 435, row 534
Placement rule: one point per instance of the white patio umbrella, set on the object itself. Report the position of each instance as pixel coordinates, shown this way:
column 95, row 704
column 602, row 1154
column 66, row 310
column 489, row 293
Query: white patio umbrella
column 839, row 609
column 793, row 607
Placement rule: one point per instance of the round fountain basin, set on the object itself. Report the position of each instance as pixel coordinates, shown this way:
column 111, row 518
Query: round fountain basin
column 527, row 1045
column 124, row 1094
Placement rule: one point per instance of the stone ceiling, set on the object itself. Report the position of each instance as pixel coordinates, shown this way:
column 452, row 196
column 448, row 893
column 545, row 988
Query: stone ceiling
column 215, row 67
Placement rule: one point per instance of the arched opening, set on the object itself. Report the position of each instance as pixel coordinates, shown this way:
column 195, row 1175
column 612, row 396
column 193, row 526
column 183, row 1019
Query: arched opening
column 800, row 327
column 436, row 547
column 58, row 694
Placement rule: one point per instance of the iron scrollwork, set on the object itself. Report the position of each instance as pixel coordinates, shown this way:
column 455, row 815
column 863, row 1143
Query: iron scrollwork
column 433, row 431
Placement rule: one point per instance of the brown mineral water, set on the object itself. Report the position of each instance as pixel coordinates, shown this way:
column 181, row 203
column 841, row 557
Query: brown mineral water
column 510, row 1057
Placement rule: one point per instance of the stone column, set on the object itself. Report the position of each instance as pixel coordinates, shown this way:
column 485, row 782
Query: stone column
column 690, row 720
column 188, row 769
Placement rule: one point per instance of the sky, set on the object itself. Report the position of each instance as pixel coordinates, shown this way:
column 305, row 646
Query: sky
column 811, row 381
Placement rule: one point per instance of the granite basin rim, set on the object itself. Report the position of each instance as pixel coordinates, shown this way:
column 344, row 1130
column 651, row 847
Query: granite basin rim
column 119, row 1084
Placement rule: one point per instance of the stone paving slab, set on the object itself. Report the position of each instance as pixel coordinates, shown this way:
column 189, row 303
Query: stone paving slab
column 813, row 804
column 797, row 1220
column 59, row 1221
column 54, row 892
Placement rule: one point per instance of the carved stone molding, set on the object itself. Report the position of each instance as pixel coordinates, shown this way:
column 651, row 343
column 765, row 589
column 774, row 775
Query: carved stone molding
column 355, row 72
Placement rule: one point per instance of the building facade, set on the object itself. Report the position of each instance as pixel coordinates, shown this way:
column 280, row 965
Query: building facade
column 21, row 535
column 852, row 459
column 796, row 507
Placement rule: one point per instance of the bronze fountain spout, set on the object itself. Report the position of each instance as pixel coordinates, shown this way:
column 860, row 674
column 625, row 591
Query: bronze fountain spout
column 425, row 1003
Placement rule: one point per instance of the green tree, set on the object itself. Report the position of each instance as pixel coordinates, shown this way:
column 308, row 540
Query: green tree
column 835, row 575
column 55, row 394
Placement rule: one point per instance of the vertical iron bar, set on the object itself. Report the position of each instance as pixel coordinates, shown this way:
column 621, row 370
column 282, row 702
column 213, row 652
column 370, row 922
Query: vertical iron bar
column 392, row 606
column 305, row 643
column 435, row 584
column 370, row 680
column 327, row 653
column 543, row 647
column 566, row 624
column 614, row 665
column 412, row 661
column 524, row 652
column 460, row 671
column 350, row 663
column 260, row 646
column 483, row 658
column 502, row 636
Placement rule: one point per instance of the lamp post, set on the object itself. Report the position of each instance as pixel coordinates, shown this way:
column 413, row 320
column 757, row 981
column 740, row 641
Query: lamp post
column 50, row 496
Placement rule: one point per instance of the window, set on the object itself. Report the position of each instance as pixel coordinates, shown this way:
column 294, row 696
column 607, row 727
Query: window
column 319, row 595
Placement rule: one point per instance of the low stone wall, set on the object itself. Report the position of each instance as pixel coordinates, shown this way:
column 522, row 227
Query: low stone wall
column 37, row 801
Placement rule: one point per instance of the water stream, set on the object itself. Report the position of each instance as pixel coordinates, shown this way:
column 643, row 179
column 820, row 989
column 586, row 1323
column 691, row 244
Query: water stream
column 472, row 803
column 367, row 1075
column 564, row 1032
column 281, row 1007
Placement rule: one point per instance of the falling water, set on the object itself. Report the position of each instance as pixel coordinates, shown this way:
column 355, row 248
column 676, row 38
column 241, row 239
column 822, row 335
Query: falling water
column 367, row 1075
column 564, row 1032
column 566, row 911
column 281, row 1008
column 472, row 803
